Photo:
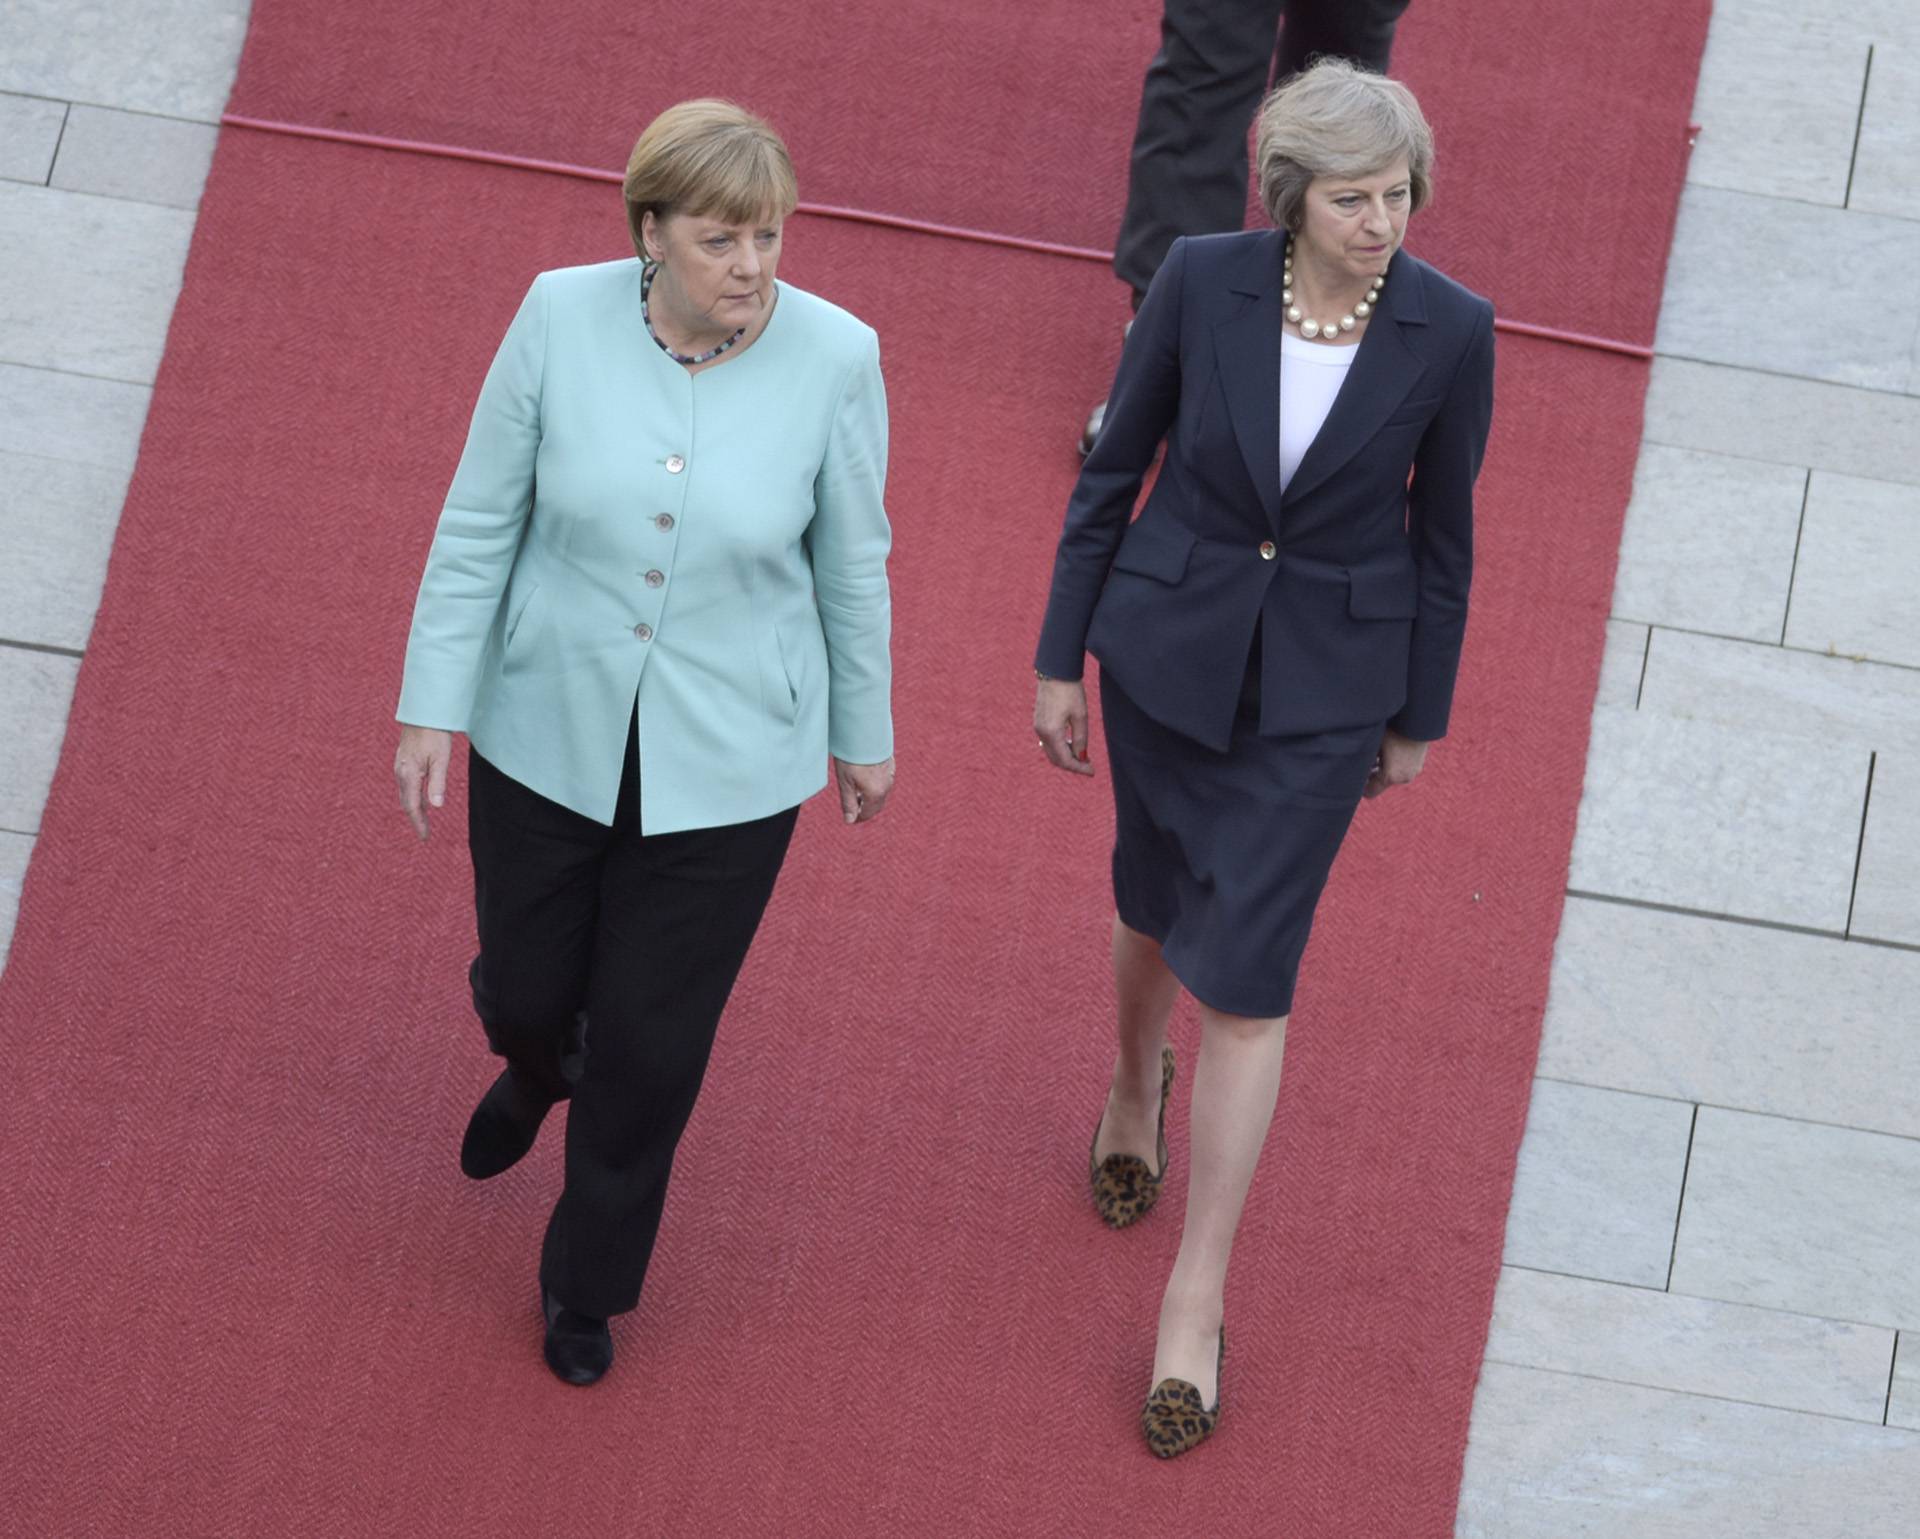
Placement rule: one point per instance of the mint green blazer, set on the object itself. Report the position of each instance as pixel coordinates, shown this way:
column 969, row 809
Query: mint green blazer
column 710, row 546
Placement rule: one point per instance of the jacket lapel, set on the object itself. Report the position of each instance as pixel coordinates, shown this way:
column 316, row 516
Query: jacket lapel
column 1384, row 369
column 1247, row 345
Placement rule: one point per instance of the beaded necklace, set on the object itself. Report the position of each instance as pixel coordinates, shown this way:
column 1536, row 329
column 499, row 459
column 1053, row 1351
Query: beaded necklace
column 647, row 270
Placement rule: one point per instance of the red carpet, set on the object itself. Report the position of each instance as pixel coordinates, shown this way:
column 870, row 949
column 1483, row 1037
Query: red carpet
column 245, row 1290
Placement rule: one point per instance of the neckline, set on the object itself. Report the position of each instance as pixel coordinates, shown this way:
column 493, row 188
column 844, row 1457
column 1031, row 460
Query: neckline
column 731, row 356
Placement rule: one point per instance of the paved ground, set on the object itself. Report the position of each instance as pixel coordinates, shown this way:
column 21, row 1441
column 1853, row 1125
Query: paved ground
column 1712, row 1252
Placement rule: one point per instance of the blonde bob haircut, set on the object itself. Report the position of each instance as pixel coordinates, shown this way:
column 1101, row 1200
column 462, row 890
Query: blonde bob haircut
column 1335, row 120
column 709, row 158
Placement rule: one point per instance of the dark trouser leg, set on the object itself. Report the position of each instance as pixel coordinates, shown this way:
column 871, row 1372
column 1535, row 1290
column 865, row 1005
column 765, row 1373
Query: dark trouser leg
column 1360, row 30
column 677, row 914
column 536, row 895
column 1189, row 167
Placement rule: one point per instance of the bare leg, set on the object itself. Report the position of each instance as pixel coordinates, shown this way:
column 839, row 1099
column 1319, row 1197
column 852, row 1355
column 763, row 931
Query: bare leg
column 1235, row 1086
column 1146, row 990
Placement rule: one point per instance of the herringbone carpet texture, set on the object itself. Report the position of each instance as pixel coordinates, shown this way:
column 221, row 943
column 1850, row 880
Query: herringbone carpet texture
column 244, row 1289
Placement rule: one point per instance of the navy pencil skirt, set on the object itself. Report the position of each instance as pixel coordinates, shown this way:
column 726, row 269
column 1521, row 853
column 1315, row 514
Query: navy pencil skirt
column 1222, row 857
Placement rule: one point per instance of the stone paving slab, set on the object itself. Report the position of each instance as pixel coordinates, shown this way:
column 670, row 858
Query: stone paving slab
column 70, row 417
column 1598, row 1184
column 29, row 130
column 1720, row 819
column 1766, row 416
column 1886, row 173
column 1903, row 1396
column 1735, row 1015
column 135, row 156
column 1622, row 658
column 1701, row 1346
column 57, row 521
column 1886, row 901
column 1555, row 1456
column 1740, row 684
column 1754, row 281
column 14, row 851
column 35, row 690
column 1799, row 1216
column 1778, row 97
column 1709, row 543
column 168, row 56
column 1855, row 590
column 114, row 265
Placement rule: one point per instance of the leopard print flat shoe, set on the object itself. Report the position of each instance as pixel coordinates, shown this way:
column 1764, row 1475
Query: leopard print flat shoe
column 1173, row 1419
column 1124, row 1188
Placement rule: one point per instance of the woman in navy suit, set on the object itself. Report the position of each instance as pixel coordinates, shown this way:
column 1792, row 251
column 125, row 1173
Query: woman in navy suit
column 1278, row 634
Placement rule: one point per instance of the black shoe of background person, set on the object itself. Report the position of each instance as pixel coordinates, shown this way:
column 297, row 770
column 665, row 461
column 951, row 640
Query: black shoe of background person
column 503, row 1127
column 1098, row 416
column 579, row 1347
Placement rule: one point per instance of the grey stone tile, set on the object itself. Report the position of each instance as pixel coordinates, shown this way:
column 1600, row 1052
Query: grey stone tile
column 57, row 520
column 1903, row 1399
column 1754, row 281
column 1720, row 819
column 1796, row 1215
column 134, row 155
column 1886, row 169
column 1740, row 683
column 35, row 691
column 172, row 56
column 1554, row 1456
column 1788, row 421
column 1886, row 899
column 1708, row 543
column 87, row 284
column 1598, row 1184
column 1621, row 659
column 1853, row 589
column 71, row 417
column 15, row 849
column 1734, row 1015
column 1701, row 1346
column 1777, row 100
column 29, row 130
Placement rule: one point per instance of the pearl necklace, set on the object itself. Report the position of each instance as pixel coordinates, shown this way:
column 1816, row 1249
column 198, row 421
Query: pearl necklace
column 647, row 270
column 1329, row 329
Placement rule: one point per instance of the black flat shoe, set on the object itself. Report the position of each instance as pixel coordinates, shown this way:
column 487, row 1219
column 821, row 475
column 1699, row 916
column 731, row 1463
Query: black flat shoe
column 503, row 1127
column 579, row 1347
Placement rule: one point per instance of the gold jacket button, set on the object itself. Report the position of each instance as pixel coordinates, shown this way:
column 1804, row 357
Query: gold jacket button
column 1266, row 550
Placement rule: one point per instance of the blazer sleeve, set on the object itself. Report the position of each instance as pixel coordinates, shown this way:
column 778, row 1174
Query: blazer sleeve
column 1140, row 409
column 479, row 533
column 1440, row 520
column 848, row 542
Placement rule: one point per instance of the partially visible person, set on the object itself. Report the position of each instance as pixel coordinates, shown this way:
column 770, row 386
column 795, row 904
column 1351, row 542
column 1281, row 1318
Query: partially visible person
column 653, row 637
column 1188, row 174
column 1278, row 634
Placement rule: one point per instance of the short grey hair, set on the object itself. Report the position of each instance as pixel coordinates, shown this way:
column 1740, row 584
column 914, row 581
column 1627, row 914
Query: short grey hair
column 1337, row 120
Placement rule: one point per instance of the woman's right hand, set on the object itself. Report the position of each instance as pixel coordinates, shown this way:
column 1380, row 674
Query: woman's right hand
column 420, row 770
column 1060, row 722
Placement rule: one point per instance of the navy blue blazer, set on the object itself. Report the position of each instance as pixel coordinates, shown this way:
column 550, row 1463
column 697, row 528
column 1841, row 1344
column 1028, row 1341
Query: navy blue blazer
column 1358, row 576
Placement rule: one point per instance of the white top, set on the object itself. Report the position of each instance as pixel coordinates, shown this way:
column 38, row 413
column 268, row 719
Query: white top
column 1311, row 374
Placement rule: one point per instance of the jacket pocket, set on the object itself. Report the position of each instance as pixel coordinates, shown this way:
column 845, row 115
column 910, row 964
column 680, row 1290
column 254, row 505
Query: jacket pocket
column 1155, row 547
column 1383, row 593
column 517, row 618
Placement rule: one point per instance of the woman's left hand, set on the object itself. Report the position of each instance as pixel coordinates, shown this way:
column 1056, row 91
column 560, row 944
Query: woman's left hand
column 864, row 789
column 1400, row 760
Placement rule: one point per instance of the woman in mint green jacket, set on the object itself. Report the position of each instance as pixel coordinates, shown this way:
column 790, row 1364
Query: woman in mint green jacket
column 656, row 603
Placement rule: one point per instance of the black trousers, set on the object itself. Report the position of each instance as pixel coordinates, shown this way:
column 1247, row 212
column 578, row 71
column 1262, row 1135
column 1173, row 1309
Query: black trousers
column 606, row 958
column 1216, row 59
